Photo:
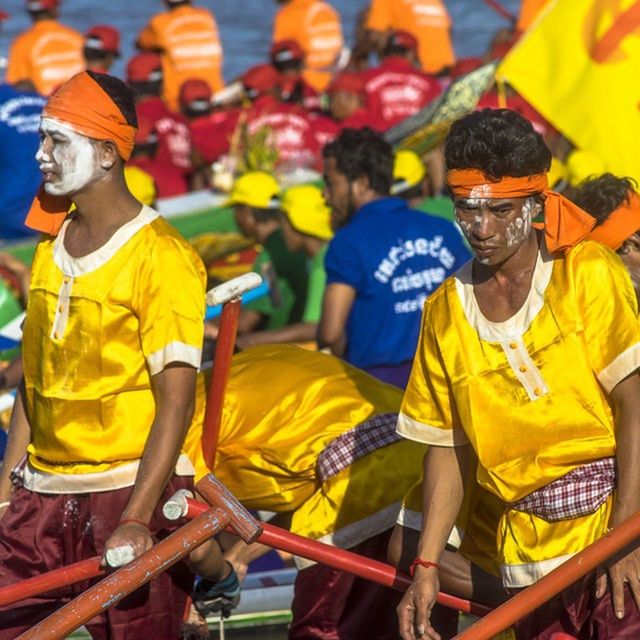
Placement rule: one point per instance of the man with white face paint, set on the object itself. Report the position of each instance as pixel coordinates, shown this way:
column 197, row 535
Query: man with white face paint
column 112, row 342
column 517, row 368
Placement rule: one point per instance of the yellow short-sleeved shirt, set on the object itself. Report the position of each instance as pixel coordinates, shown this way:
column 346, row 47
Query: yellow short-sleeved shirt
column 97, row 329
column 530, row 394
column 283, row 405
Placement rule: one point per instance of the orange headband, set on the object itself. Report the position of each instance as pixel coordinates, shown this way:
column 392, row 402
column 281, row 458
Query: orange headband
column 621, row 224
column 565, row 224
column 84, row 105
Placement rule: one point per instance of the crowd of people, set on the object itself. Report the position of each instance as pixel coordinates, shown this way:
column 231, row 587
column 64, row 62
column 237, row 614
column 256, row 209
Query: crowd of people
column 467, row 401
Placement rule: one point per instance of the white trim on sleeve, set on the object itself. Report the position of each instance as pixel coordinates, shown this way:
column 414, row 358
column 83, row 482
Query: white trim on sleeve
column 174, row 352
column 622, row 366
column 413, row 430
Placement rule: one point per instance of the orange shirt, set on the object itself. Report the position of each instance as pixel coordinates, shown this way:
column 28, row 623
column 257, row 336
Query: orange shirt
column 427, row 20
column 316, row 27
column 529, row 10
column 47, row 54
column 189, row 44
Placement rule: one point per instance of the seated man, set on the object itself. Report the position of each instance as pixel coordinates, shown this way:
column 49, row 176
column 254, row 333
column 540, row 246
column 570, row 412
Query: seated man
column 518, row 368
column 256, row 202
column 306, row 228
column 383, row 262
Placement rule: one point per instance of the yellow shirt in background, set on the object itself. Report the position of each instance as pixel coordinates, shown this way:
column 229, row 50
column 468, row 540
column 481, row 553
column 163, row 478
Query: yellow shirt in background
column 97, row 329
column 530, row 394
column 283, row 405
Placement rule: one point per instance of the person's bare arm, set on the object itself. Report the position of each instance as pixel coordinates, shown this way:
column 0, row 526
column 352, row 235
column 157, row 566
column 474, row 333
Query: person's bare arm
column 19, row 436
column 11, row 375
column 336, row 306
column 445, row 469
column 626, row 398
column 174, row 390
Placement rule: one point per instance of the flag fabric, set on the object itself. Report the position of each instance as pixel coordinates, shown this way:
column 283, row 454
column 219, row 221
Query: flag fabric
column 579, row 67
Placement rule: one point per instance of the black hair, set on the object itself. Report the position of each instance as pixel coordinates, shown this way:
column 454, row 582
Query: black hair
column 295, row 64
column 265, row 215
column 120, row 93
column 93, row 55
column 363, row 152
column 412, row 192
column 146, row 87
column 392, row 49
column 499, row 142
column 601, row 195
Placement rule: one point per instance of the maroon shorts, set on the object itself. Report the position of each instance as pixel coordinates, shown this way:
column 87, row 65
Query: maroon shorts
column 329, row 604
column 41, row 532
column 579, row 614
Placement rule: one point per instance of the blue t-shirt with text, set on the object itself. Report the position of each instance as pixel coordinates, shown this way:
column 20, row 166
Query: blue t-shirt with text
column 394, row 257
column 19, row 174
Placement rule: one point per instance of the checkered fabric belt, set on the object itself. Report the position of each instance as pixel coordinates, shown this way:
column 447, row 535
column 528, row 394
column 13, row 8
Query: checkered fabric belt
column 575, row 494
column 372, row 434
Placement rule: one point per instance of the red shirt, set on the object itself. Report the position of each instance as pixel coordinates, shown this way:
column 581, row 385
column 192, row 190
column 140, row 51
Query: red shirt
column 396, row 90
column 170, row 181
column 363, row 118
column 211, row 134
column 290, row 127
column 174, row 139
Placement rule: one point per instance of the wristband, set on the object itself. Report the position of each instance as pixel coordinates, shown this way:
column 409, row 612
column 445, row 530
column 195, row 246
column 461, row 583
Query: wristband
column 136, row 521
column 422, row 563
column 5, row 504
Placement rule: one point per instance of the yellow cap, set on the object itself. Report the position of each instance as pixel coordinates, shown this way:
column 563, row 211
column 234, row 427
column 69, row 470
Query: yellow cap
column 256, row 189
column 408, row 171
column 556, row 173
column 307, row 211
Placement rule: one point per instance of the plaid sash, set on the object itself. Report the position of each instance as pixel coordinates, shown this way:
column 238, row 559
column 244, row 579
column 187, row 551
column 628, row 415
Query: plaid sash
column 372, row 434
column 575, row 494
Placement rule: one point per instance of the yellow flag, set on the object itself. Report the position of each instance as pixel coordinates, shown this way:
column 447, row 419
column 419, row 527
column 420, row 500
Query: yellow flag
column 580, row 67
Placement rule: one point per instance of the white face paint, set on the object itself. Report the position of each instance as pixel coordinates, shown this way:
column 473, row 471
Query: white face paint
column 66, row 158
column 519, row 229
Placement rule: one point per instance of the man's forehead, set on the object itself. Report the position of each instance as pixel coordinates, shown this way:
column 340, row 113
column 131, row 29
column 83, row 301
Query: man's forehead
column 474, row 201
column 51, row 125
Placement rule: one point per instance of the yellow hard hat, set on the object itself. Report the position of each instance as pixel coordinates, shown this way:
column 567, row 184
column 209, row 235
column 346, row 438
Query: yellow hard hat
column 408, row 171
column 256, row 189
column 307, row 211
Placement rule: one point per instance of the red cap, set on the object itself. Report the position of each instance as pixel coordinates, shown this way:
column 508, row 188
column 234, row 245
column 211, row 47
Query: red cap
column 260, row 79
column 286, row 51
column 195, row 94
column 42, row 5
column 3, row 15
column 404, row 40
column 102, row 37
column 146, row 132
column 347, row 81
column 144, row 67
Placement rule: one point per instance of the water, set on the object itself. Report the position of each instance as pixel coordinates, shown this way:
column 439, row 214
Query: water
column 245, row 25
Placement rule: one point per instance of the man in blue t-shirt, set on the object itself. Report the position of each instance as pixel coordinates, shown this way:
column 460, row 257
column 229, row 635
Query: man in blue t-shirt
column 383, row 262
column 20, row 177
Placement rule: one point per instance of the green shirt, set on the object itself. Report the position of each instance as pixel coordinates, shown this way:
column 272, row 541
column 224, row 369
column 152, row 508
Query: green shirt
column 287, row 275
column 317, row 283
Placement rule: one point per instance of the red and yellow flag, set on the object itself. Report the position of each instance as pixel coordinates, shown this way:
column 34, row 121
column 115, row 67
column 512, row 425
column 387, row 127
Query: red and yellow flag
column 580, row 67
